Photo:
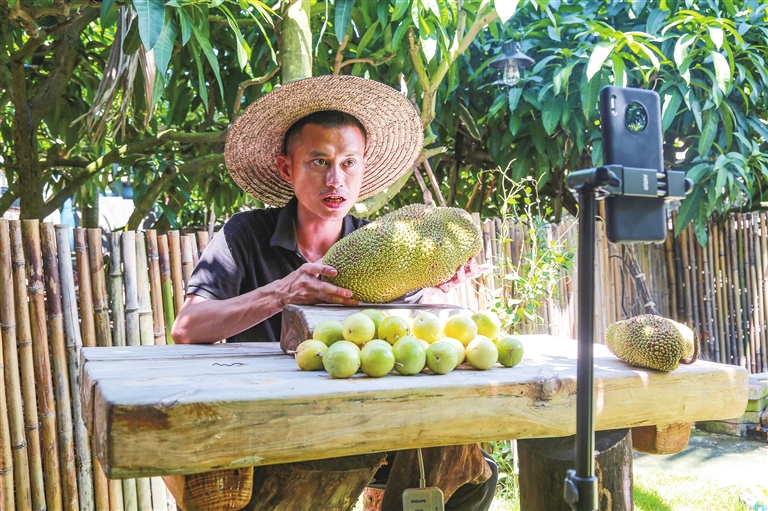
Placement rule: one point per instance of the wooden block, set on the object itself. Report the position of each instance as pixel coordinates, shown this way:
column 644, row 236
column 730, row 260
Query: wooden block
column 758, row 387
column 299, row 320
column 747, row 418
column 544, row 462
column 757, row 405
column 722, row 427
column 661, row 439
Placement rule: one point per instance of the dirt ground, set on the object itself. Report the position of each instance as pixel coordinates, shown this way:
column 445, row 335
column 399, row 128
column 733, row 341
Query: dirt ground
column 727, row 459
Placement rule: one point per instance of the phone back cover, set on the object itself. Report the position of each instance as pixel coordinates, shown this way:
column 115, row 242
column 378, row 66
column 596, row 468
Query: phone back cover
column 632, row 219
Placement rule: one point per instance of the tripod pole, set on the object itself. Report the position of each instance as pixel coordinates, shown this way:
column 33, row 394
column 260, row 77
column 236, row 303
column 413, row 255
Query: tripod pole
column 581, row 484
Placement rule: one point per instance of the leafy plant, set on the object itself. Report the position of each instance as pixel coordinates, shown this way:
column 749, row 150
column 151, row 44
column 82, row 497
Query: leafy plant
column 541, row 261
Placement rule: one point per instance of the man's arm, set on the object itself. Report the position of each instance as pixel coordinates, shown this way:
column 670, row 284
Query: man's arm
column 206, row 321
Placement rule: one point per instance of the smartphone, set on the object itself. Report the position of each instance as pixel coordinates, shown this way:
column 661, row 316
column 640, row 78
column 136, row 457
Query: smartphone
column 630, row 123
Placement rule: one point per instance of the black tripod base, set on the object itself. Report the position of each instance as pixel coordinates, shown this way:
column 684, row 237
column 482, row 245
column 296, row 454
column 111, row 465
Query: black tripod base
column 580, row 492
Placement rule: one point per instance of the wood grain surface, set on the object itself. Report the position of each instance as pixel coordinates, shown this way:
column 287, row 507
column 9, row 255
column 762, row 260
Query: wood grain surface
column 159, row 410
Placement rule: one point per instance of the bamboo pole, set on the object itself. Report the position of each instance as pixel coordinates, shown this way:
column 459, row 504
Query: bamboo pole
column 193, row 246
column 763, row 251
column 174, row 249
column 202, row 242
column 717, row 250
column 187, row 263
column 672, row 275
column 43, row 376
column 74, row 343
column 763, row 238
column 99, row 288
column 132, row 332
column 155, row 287
column 166, row 286
column 686, row 278
column 133, row 337
column 117, row 304
column 27, row 363
column 103, row 332
column 736, row 293
column 12, row 381
column 757, row 303
column 115, row 290
column 88, row 331
column 59, row 368
column 146, row 327
column 751, row 291
column 702, row 299
column 8, row 425
column 693, row 270
column 87, row 324
column 709, row 280
column 730, row 308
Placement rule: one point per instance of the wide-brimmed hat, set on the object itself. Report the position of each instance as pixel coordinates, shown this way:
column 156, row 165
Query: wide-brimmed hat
column 394, row 132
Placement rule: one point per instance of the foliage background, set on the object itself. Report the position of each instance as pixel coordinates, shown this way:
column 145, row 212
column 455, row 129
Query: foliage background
column 85, row 105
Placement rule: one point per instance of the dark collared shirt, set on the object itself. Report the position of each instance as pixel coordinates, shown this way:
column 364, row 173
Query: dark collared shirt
column 253, row 249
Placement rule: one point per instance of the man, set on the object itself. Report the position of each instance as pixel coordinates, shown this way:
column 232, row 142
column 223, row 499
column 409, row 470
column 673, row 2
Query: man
column 312, row 148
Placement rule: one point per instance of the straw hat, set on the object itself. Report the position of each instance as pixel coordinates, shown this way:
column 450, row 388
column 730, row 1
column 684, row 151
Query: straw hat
column 394, row 141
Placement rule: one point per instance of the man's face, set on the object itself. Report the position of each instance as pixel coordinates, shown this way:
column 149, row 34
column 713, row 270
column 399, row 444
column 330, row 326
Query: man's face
column 325, row 167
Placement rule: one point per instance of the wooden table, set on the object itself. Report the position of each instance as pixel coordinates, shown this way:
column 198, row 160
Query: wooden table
column 161, row 410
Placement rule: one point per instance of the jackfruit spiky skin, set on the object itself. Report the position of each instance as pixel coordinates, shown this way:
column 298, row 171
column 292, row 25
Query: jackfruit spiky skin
column 410, row 248
column 650, row 341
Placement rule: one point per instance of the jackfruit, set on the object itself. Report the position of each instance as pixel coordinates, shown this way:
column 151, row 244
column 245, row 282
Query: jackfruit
column 652, row 341
column 413, row 247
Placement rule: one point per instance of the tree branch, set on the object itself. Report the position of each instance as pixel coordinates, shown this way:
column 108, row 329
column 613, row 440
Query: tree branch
column 64, row 64
column 244, row 85
column 8, row 198
column 161, row 184
column 374, row 63
column 338, row 57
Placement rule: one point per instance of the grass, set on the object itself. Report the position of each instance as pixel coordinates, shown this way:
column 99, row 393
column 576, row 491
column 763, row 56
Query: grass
column 661, row 490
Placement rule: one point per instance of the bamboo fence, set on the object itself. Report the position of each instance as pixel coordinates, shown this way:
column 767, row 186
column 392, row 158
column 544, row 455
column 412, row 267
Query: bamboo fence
column 126, row 288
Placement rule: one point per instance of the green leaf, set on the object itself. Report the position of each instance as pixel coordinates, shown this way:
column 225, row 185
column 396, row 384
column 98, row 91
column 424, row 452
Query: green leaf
column 505, row 9
column 550, row 116
column 366, row 39
column 151, row 15
column 205, row 45
column 402, row 28
column 499, row 102
column 186, row 27
column 700, row 229
column 132, row 40
column 681, row 46
column 599, row 54
column 106, row 5
column 688, row 208
column 708, row 133
column 469, row 122
column 589, row 91
column 431, row 5
column 669, row 108
column 722, row 71
column 243, row 49
column 401, row 7
column 716, row 35
column 342, row 18
column 698, row 171
column 514, row 94
column 164, row 46
column 619, row 71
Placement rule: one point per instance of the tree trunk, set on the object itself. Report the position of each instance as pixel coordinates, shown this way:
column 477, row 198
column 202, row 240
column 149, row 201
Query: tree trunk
column 89, row 208
column 323, row 484
column 543, row 463
column 28, row 173
column 296, row 42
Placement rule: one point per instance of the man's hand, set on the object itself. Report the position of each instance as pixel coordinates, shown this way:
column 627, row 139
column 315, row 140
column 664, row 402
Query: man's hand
column 305, row 287
column 465, row 271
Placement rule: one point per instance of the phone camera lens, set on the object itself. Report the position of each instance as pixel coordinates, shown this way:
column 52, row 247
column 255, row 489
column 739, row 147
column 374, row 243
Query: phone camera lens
column 636, row 117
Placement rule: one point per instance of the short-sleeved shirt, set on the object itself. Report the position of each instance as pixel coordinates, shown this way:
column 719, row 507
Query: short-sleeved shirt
column 253, row 249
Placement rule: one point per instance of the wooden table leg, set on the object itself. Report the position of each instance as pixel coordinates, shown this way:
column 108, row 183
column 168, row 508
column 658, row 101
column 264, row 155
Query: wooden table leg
column 544, row 461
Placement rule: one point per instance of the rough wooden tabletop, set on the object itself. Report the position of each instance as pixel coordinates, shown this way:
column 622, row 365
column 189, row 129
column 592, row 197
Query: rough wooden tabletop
column 158, row 410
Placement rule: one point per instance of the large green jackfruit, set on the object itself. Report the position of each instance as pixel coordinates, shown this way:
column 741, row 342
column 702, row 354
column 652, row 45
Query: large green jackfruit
column 410, row 248
column 652, row 341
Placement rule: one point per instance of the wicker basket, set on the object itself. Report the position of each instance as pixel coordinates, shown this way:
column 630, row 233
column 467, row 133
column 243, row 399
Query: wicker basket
column 221, row 490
